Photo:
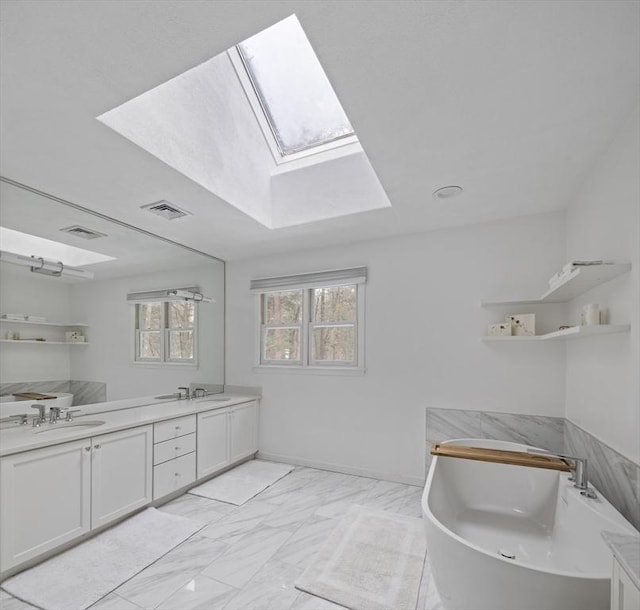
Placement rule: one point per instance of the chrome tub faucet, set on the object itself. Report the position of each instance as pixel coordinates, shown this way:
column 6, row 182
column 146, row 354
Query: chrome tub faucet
column 578, row 468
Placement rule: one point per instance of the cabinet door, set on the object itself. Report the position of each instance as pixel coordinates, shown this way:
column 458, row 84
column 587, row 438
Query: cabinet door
column 121, row 474
column 244, row 430
column 213, row 441
column 44, row 500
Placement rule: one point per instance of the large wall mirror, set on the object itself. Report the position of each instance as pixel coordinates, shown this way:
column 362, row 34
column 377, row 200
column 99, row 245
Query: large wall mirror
column 83, row 333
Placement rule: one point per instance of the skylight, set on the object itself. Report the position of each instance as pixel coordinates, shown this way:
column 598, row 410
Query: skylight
column 31, row 245
column 300, row 105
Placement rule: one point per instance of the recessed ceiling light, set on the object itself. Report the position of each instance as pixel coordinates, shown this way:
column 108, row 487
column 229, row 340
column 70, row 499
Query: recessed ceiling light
column 447, row 192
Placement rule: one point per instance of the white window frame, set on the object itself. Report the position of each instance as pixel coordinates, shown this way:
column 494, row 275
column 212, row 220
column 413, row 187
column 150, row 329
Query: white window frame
column 325, row 151
column 306, row 364
column 164, row 331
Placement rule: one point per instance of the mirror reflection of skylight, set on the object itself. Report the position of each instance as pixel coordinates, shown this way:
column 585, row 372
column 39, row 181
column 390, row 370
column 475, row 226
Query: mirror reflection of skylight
column 297, row 98
column 32, row 245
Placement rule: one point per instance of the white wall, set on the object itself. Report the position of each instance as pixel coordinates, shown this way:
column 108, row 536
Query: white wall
column 37, row 295
column 104, row 306
column 603, row 394
column 423, row 348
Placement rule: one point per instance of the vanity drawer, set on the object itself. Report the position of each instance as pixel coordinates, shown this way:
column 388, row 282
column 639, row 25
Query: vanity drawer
column 173, row 448
column 173, row 428
column 173, row 475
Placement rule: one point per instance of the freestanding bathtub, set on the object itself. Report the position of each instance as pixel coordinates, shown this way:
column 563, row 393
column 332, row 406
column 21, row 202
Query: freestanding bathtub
column 512, row 537
column 10, row 405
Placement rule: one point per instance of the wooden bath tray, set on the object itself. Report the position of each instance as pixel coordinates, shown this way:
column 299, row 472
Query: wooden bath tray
column 500, row 456
column 33, row 396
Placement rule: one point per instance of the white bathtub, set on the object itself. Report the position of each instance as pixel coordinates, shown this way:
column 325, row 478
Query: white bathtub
column 10, row 405
column 474, row 511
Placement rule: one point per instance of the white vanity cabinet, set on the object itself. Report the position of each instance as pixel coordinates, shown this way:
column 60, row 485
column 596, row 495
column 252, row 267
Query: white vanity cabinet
column 624, row 594
column 226, row 436
column 53, row 495
column 121, row 475
column 45, row 500
column 243, row 426
column 213, row 441
column 174, row 457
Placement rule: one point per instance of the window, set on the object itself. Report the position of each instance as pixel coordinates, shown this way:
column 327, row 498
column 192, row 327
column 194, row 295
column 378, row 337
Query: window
column 165, row 331
column 313, row 325
column 295, row 94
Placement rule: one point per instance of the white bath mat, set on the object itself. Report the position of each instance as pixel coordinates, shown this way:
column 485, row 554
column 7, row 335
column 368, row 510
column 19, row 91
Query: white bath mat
column 372, row 560
column 84, row 574
column 239, row 485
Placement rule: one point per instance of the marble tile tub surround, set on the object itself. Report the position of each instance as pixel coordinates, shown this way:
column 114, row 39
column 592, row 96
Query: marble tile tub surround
column 84, row 392
column 616, row 477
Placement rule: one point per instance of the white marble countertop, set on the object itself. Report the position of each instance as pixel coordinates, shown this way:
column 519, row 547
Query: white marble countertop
column 116, row 415
column 626, row 549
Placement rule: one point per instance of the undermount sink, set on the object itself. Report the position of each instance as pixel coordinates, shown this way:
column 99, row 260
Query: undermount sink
column 74, row 424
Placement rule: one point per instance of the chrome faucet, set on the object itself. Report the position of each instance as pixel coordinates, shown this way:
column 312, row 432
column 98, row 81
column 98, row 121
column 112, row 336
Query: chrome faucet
column 202, row 391
column 40, row 418
column 578, row 468
column 186, row 392
column 54, row 415
column 21, row 419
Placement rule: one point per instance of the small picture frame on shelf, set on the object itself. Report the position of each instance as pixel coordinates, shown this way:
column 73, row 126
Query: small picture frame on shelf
column 502, row 329
column 522, row 324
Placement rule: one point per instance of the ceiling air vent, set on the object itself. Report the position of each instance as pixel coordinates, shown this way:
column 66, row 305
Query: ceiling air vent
column 83, row 232
column 166, row 210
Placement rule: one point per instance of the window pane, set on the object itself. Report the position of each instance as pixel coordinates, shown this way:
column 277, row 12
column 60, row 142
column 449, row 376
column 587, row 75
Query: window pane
column 283, row 307
column 335, row 304
column 334, row 343
column 181, row 345
column 150, row 316
column 282, row 344
column 181, row 314
column 150, row 345
column 299, row 101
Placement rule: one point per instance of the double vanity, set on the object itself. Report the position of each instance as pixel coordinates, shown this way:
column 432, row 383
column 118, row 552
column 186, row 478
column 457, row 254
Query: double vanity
column 62, row 482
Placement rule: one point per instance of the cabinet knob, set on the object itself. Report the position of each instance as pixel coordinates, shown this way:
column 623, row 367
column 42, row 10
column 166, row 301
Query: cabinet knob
column 177, row 474
column 177, row 448
column 177, row 427
column 96, row 446
column 87, row 449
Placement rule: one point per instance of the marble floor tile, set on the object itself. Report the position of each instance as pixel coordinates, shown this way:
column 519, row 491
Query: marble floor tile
column 385, row 495
column 200, row 593
column 113, row 602
column 304, row 601
column 304, row 545
column 239, row 564
column 8, row 602
column 428, row 598
column 272, row 588
column 161, row 579
column 198, row 508
column 234, row 525
column 294, row 513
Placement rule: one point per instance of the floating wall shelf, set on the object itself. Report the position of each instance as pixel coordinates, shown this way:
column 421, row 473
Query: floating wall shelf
column 33, row 341
column 71, row 324
column 577, row 282
column 574, row 332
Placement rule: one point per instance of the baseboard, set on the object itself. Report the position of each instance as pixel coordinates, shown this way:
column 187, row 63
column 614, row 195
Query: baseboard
column 360, row 472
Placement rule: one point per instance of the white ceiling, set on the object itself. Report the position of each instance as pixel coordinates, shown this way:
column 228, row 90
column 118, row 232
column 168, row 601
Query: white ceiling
column 512, row 100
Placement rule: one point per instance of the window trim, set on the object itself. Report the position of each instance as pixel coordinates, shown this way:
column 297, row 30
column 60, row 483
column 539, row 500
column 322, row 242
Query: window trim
column 325, row 150
column 164, row 331
column 307, row 364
